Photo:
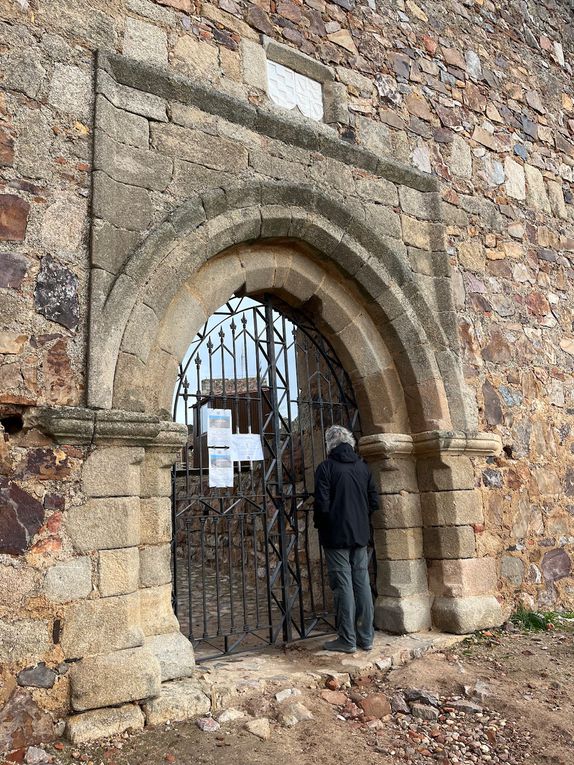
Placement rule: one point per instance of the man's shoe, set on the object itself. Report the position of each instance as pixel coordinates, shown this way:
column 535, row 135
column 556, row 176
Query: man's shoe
column 338, row 645
column 366, row 647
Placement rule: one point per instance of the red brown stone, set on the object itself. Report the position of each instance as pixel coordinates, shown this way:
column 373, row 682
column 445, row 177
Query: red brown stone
column 21, row 516
column 180, row 5
column 289, row 10
column 47, row 464
column 337, row 698
column 556, row 564
column 13, row 269
column 6, row 148
column 498, row 349
column 13, row 218
column 492, row 407
column 58, row 375
column 259, row 20
column 537, row 304
column 23, row 723
column 376, row 706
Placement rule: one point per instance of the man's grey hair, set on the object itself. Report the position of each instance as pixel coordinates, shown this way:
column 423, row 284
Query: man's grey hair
column 336, row 435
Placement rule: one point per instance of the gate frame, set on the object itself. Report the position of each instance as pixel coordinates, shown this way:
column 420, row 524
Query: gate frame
column 268, row 307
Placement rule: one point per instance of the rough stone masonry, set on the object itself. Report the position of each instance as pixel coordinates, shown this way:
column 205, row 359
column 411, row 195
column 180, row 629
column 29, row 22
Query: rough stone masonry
column 428, row 220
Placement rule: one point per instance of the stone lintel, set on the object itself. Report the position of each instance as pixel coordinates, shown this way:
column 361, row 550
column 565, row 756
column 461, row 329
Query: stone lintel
column 294, row 59
column 83, row 426
column 278, row 124
column 429, row 444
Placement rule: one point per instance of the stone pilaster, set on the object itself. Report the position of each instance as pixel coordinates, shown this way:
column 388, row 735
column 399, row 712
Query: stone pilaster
column 403, row 602
column 124, row 525
column 430, row 510
column 463, row 586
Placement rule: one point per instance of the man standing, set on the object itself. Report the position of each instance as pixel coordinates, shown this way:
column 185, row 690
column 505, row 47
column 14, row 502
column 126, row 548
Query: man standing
column 345, row 497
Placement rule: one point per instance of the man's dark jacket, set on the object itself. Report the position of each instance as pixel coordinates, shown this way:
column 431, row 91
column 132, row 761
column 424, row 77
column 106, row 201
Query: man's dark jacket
column 345, row 497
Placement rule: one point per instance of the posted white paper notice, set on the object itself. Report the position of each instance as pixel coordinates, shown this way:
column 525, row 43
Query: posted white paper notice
column 220, row 468
column 219, row 427
column 246, row 447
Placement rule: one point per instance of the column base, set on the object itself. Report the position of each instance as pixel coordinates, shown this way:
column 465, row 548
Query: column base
column 464, row 615
column 402, row 615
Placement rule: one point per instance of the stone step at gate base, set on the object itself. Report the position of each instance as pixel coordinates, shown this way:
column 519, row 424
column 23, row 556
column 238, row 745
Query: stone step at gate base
column 214, row 685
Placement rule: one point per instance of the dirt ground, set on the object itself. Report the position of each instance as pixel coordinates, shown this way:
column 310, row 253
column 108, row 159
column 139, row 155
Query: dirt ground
column 525, row 694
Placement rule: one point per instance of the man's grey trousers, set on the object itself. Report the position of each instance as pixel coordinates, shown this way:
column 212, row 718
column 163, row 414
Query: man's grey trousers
column 349, row 580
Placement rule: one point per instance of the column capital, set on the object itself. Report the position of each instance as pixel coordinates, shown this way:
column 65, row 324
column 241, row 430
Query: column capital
column 84, row 427
column 429, row 444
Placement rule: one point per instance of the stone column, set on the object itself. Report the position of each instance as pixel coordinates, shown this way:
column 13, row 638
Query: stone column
column 403, row 602
column 463, row 585
column 122, row 525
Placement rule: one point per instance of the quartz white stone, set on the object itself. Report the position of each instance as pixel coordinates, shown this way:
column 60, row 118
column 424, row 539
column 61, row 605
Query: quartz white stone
column 292, row 90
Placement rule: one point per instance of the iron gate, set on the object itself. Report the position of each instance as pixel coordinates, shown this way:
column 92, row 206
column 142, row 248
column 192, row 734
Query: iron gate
column 248, row 568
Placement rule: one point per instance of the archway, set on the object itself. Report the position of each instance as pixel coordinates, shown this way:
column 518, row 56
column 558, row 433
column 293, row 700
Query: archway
column 366, row 258
column 248, row 568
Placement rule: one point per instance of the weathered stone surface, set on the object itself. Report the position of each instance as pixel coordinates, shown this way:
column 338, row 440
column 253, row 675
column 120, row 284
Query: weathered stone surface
column 64, row 226
column 101, row 681
column 131, row 100
column 132, row 165
column 465, row 615
column 155, row 520
column 122, row 205
column 512, row 569
column 155, row 565
column 556, row 564
column 462, row 578
column 196, row 58
column 515, row 179
column 113, row 471
column 39, row 676
column 174, row 653
column 178, row 700
column 24, row 640
column 404, row 614
column 101, row 625
column 21, row 518
column 71, row 90
column 397, row 511
column 13, row 269
column 376, row 705
column 13, row 218
column 293, row 713
column 22, row 70
column 104, row 723
column 111, row 246
column 398, row 544
column 536, row 196
column 118, row 571
column 451, row 508
column 195, row 146
column 106, row 523
column 23, row 723
column 145, row 42
column 69, row 580
column 445, row 473
column 401, row 578
column 156, row 612
column 449, row 542
column 259, row 728
column 121, row 125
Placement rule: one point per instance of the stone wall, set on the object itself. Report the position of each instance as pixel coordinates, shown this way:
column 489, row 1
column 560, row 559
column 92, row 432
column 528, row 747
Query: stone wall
column 491, row 124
